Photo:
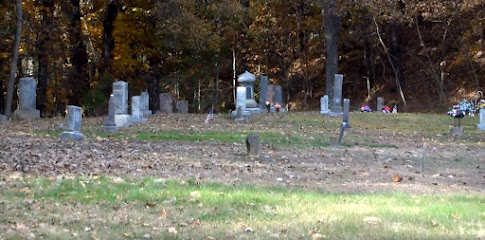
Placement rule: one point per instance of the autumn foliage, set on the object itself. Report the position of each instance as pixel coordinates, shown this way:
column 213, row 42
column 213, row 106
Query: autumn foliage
column 433, row 50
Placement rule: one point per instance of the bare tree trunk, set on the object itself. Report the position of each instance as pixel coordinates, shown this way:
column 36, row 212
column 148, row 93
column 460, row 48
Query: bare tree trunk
column 216, row 94
column 234, row 74
column 331, row 24
column 13, row 65
column 396, row 76
column 108, row 40
column 47, row 11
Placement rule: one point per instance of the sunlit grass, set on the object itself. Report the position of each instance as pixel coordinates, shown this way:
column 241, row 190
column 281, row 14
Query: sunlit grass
column 198, row 210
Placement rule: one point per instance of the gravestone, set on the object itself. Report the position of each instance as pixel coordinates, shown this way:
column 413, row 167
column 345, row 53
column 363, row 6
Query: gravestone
column 110, row 125
column 3, row 118
column 481, row 125
column 136, row 116
column 380, row 104
column 240, row 114
column 457, row 130
column 120, row 92
column 336, row 109
column 27, row 100
column 345, row 120
column 278, row 95
column 253, row 145
column 247, row 80
column 182, row 106
column 73, row 124
column 145, row 104
column 166, row 103
column 270, row 93
column 263, row 91
column 324, row 105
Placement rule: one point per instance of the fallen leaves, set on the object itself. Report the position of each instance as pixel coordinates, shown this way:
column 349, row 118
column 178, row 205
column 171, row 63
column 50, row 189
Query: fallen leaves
column 372, row 220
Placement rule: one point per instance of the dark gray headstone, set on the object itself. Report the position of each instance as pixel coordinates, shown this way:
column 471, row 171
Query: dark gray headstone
column 182, row 106
column 27, row 100
column 337, row 94
column 345, row 121
column 270, row 93
column 263, row 91
column 110, row 125
column 73, row 124
column 346, row 115
column 380, row 104
column 278, row 95
column 253, row 145
column 166, row 103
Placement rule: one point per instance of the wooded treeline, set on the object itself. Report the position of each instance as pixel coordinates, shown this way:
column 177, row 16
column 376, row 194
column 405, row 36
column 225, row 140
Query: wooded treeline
column 433, row 50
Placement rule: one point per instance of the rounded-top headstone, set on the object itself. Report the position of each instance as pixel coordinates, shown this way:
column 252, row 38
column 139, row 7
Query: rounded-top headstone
column 246, row 77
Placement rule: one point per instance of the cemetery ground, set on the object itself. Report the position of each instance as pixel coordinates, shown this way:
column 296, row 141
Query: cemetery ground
column 178, row 178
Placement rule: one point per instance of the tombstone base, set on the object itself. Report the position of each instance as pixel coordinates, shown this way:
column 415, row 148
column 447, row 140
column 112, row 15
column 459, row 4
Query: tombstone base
column 146, row 112
column 139, row 120
column 123, row 120
column 335, row 114
column 327, row 112
column 3, row 118
column 254, row 110
column 26, row 114
column 245, row 115
column 481, row 126
column 110, row 129
column 457, row 132
column 77, row 136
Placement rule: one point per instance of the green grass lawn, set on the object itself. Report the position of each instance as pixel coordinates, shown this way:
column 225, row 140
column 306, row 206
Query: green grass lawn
column 109, row 208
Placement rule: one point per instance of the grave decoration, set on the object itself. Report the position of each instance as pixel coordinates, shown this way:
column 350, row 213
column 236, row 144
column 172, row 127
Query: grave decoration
column 365, row 108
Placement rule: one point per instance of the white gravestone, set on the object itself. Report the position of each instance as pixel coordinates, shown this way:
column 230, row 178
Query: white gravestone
column 324, row 105
column 481, row 125
column 136, row 116
column 27, row 100
column 120, row 92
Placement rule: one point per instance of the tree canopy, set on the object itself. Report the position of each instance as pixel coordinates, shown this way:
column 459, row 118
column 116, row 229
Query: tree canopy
column 428, row 53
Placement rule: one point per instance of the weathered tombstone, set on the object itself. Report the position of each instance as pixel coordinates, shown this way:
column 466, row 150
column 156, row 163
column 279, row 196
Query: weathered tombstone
column 253, row 145
column 110, row 125
column 278, row 95
column 481, row 125
column 380, row 104
column 120, row 92
column 241, row 98
column 247, row 80
column 270, row 93
column 136, row 116
column 166, row 103
column 73, row 124
column 27, row 100
column 263, row 91
column 145, row 104
column 345, row 120
column 457, row 130
column 337, row 95
column 324, row 105
column 182, row 106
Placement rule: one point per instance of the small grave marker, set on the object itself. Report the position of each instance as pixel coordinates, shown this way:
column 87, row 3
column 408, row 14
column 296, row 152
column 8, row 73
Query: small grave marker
column 73, row 124
column 253, row 145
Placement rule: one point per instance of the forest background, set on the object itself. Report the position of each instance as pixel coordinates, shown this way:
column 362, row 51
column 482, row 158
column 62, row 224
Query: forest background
column 424, row 55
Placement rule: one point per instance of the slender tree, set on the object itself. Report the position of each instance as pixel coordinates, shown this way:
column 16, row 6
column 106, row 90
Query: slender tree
column 13, row 65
